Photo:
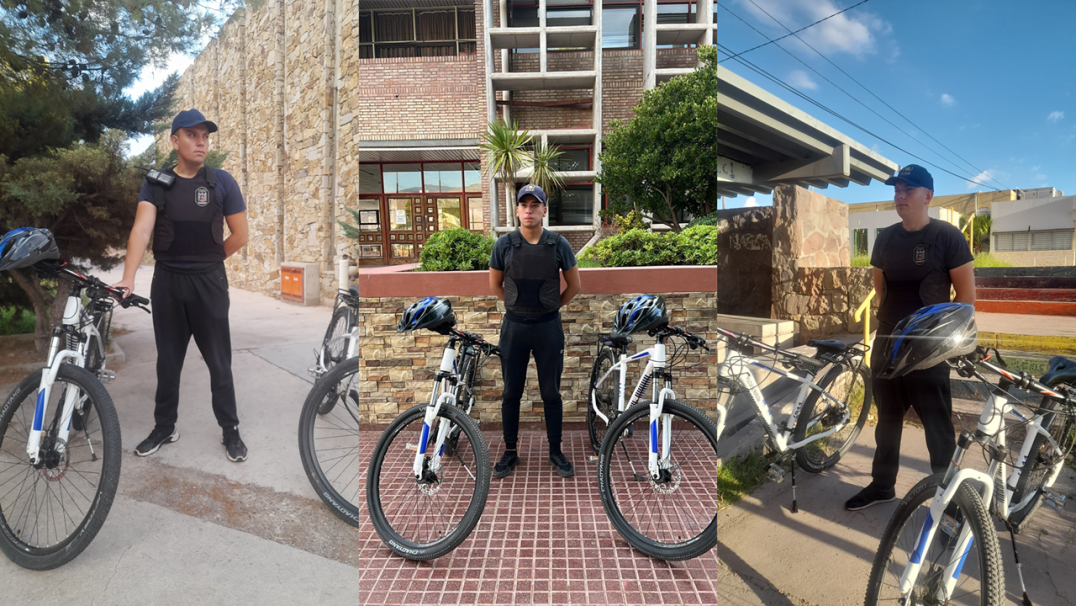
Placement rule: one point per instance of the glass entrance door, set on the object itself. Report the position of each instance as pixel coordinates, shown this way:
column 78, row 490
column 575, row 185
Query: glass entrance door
column 404, row 226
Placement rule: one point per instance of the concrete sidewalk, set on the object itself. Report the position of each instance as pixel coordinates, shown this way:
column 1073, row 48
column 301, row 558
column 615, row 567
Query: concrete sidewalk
column 188, row 526
column 823, row 554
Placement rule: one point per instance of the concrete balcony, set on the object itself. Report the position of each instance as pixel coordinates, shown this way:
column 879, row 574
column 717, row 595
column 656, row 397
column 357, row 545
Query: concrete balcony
column 567, row 136
column 568, row 176
column 576, row 36
column 684, row 33
column 668, row 73
column 544, row 81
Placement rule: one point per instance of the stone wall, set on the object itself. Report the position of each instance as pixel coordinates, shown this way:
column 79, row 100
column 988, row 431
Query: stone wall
column 812, row 283
column 281, row 81
column 745, row 262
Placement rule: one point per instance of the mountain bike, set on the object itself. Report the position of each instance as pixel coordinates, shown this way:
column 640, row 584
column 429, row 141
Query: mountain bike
column 940, row 546
column 429, row 473
column 341, row 341
column 329, row 439
column 828, row 414
column 666, row 506
column 60, row 435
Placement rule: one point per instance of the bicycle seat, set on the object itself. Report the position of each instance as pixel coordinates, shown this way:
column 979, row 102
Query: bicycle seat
column 615, row 340
column 353, row 291
column 1059, row 370
column 827, row 346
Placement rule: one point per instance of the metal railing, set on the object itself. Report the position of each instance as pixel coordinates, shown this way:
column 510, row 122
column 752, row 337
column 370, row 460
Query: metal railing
column 863, row 307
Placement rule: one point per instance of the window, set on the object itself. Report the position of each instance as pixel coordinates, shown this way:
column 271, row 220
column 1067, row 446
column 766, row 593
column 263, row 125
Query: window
column 402, row 178
column 417, row 32
column 443, row 177
column 369, row 215
column 573, row 205
column 859, row 242
column 620, row 26
column 472, row 176
column 370, row 179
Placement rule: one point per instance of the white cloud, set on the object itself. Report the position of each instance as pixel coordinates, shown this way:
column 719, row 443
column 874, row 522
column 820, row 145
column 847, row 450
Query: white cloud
column 979, row 181
column 1036, row 168
column 750, row 202
column 799, row 79
column 1055, row 116
column 855, row 32
column 1040, row 177
column 948, row 100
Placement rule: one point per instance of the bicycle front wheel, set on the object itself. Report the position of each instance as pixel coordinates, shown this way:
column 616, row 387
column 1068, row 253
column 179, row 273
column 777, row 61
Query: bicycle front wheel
column 850, row 387
column 50, row 512
column 329, row 442
column 1041, row 461
column 675, row 516
column 606, row 396
column 334, row 350
column 425, row 518
column 980, row 581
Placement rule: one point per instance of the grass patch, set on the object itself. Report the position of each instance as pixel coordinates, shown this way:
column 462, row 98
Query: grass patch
column 861, row 261
column 583, row 263
column 15, row 321
column 740, row 476
column 989, row 260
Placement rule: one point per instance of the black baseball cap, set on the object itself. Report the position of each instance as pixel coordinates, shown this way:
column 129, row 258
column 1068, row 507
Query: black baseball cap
column 189, row 118
column 531, row 190
column 913, row 175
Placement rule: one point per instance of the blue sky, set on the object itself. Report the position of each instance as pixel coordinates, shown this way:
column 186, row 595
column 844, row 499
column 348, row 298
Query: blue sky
column 992, row 80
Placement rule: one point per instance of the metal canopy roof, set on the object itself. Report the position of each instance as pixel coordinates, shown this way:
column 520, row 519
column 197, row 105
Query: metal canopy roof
column 430, row 150
column 763, row 142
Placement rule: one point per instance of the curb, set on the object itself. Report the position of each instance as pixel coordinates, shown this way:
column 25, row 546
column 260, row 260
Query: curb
column 1030, row 343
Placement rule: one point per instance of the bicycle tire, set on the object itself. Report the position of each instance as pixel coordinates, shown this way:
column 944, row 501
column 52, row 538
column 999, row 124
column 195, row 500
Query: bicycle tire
column 597, row 435
column 333, row 349
column 399, row 544
column 693, row 546
column 1039, row 458
column 340, row 427
column 991, row 577
column 16, row 542
column 805, row 455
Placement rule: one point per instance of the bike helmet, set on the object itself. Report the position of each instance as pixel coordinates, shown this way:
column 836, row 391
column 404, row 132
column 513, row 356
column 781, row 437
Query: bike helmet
column 25, row 246
column 433, row 313
column 928, row 337
column 640, row 314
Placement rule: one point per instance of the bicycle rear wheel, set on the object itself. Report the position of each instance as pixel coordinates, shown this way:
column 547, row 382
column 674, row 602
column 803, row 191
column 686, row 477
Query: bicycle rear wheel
column 50, row 513
column 674, row 518
column 606, row 396
column 425, row 519
column 334, row 349
column 1041, row 462
column 981, row 580
column 850, row 386
column 329, row 442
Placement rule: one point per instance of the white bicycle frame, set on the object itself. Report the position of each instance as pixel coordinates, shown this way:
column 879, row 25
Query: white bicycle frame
column 991, row 426
column 442, row 392
column 736, row 367
column 73, row 312
column 352, row 348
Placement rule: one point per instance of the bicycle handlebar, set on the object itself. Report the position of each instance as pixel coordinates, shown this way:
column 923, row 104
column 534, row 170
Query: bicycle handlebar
column 1021, row 380
column 740, row 342
column 96, row 285
column 693, row 340
column 487, row 348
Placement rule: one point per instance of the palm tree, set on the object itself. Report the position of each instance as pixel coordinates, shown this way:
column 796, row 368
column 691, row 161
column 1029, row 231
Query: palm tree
column 545, row 168
column 506, row 147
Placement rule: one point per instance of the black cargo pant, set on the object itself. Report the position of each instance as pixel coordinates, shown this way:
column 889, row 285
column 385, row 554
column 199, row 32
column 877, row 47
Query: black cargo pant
column 187, row 304
column 518, row 340
column 928, row 392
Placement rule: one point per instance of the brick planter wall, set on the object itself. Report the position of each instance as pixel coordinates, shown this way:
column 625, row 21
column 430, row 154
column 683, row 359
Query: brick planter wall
column 396, row 370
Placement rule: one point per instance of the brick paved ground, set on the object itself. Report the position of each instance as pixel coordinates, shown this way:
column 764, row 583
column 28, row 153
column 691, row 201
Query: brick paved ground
column 541, row 540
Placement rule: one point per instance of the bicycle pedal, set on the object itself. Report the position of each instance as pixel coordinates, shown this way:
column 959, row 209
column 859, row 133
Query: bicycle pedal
column 106, row 376
column 776, row 473
column 1053, row 498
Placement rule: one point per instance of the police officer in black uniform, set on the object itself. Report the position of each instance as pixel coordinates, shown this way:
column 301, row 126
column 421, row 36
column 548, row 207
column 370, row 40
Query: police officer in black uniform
column 185, row 209
column 915, row 263
column 524, row 272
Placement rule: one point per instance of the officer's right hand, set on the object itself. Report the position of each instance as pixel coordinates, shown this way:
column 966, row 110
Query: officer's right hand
column 126, row 285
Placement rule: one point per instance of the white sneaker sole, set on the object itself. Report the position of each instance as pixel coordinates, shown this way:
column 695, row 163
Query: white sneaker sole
column 169, row 440
column 235, row 460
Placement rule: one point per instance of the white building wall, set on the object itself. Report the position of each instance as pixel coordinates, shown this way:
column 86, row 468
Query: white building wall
column 873, row 222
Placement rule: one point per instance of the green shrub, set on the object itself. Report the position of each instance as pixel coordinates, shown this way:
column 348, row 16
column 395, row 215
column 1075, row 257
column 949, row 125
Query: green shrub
column 710, row 219
column 634, row 248
column 17, row 321
column 456, row 250
column 630, row 221
column 861, row 261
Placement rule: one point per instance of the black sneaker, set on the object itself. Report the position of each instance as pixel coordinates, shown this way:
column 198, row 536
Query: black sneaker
column 508, row 462
column 233, row 445
column 871, row 495
column 157, row 438
column 563, row 465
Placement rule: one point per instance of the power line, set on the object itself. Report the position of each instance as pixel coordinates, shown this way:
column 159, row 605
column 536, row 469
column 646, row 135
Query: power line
column 796, row 92
column 793, row 33
column 819, row 53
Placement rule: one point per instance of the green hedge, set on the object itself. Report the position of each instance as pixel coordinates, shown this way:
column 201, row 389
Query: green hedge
column 710, row 219
column 456, row 250
column 634, row 248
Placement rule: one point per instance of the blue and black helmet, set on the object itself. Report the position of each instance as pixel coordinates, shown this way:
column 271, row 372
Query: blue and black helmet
column 25, row 246
column 928, row 337
column 434, row 313
column 641, row 314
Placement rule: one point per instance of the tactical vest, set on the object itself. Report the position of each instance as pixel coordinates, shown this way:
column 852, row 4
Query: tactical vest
column 190, row 223
column 931, row 281
column 532, row 277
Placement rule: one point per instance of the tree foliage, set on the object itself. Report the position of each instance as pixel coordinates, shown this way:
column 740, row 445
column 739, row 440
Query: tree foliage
column 664, row 160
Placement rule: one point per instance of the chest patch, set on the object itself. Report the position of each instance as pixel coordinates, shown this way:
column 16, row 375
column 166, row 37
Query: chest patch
column 919, row 254
column 201, row 196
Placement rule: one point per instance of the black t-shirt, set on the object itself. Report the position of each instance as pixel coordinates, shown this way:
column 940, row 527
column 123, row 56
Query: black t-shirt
column 905, row 262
